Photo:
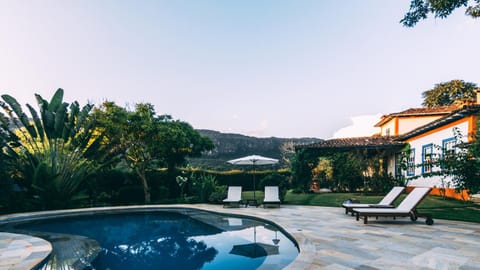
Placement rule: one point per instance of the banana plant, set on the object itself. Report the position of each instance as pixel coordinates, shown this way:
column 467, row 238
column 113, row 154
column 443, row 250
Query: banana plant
column 57, row 147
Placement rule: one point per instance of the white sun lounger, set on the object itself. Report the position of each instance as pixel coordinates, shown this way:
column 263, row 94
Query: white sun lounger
column 271, row 196
column 234, row 196
column 386, row 202
column 407, row 208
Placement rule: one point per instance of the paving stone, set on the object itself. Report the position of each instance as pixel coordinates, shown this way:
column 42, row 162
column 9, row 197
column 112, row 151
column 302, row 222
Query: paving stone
column 329, row 239
column 18, row 251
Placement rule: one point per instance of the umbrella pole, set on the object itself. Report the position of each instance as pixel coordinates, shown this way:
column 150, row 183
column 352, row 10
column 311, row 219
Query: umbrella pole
column 254, row 188
column 254, row 185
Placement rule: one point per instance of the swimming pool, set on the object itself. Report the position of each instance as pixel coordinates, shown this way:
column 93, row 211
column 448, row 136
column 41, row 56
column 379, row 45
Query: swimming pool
column 161, row 239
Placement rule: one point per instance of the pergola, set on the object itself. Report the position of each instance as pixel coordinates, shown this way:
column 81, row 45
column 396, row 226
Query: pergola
column 367, row 148
column 370, row 146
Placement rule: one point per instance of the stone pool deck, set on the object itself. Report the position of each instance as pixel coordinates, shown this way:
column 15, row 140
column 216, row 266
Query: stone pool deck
column 19, row 251
column 329, row 239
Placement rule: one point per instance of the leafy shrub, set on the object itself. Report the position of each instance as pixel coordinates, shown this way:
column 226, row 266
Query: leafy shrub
column 104, row 197
column 131, row 194
column 275, row 179
column 382, row 183
column 160, row 194
column 218, row 195
column 192, row 199
column 297, row 191
column 203, row 186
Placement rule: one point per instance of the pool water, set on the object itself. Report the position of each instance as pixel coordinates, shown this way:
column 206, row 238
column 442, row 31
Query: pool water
column 190, row 239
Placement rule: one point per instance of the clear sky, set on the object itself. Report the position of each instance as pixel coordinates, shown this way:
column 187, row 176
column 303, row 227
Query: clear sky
column 283, row 68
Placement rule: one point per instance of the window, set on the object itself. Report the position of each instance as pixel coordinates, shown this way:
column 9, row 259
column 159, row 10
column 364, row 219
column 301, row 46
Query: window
column 448, row 146
column 387, row 132
column 427, row 158
column 411, row 163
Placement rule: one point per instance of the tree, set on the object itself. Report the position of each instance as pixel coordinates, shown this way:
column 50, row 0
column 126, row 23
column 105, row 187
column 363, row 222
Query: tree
column 323, row 172
column 302, row 164
column 133, row 136
column 142, row 150
column 180, row 140
column 450, row 93
column 147, row 141
column 419, row 10
column 348, row 168
column 463, row 163
column 287, row 150
column 53, row 149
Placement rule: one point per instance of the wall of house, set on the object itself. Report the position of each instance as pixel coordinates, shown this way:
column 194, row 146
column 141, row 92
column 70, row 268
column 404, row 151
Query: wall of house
column 446, row 192
column 434, row 137
column 390, row 125
column 407, row 124
column 402, row 125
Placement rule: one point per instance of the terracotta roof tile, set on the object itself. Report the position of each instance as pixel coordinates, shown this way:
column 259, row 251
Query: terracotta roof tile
column 358, row 142
column 461, row 112
column 441, row 110
column 433, row 110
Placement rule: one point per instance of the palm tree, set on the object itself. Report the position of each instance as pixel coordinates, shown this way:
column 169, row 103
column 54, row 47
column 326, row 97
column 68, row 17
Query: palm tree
column 54, row 148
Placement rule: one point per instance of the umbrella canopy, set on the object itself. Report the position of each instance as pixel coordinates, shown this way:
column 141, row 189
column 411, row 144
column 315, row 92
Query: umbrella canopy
column 254, row 250
column 253, row 160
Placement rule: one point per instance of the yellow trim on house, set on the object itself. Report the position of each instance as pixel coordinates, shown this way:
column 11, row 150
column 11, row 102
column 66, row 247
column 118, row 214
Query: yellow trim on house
column 444, row 127
column 472, row 127
column 397, row 126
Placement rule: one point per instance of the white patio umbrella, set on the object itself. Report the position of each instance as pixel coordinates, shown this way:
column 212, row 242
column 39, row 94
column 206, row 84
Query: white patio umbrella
column 254, row 250
column 253, row 160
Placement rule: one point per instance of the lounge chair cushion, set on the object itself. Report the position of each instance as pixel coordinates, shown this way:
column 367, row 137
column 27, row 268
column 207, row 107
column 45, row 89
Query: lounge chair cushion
column 386, row 202
column 234, row 195
column 271, row 194
column 406, row 208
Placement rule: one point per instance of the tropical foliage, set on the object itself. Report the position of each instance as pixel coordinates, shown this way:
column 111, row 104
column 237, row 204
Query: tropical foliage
column 303, row 163
column 343, row 171
column 454, row 92
column 275, row 179
column 147, row 142
column 63, row 155
column 419, row 9
column 463, row 163
column 206, row 187
column 53, row 149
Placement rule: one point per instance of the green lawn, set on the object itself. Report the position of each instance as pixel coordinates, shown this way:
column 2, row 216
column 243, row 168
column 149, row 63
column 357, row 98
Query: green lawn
column 439, row 207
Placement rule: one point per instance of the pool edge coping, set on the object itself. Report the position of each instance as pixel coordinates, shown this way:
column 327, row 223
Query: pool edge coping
column 18, row 217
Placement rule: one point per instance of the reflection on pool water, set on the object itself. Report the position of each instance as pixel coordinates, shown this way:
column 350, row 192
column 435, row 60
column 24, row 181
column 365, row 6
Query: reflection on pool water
column 164, row 239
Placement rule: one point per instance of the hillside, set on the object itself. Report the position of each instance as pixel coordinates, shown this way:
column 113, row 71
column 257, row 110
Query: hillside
column 230, row 146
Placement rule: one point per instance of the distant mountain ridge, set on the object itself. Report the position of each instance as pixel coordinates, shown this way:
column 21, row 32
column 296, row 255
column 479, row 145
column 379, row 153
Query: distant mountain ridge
column 230, row 146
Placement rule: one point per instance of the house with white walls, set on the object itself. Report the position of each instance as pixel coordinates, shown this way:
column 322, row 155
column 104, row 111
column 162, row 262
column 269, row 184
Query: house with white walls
column 396, row 124
column 434, row 140
column 427, row 132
